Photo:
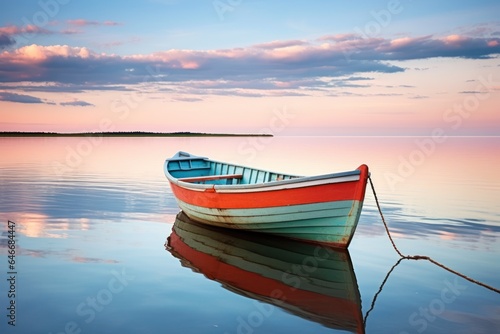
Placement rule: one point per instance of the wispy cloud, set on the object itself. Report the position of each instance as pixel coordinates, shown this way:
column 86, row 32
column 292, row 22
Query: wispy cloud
column 77, row 103
column 186, row 99
column 60, row 87
column 491, row 29
column 21, row 98
column 12, row 30
column 84, row 23
column 8, row 34
column 82, row 259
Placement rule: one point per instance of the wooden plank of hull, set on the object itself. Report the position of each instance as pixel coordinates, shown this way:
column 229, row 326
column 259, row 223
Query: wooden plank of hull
column 276, row 215
column 263, row 268
column 327, row 226
column 217, row 198
column 329, row 223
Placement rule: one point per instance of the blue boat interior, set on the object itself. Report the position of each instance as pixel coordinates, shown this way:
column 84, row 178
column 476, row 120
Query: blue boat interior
column 201, row 170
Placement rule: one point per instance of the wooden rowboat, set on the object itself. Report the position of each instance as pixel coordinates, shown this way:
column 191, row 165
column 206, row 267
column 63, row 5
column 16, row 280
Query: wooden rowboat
column 313, row 282
column 322, row 209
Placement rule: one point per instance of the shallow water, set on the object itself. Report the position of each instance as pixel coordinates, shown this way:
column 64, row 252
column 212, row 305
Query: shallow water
column 92, row 217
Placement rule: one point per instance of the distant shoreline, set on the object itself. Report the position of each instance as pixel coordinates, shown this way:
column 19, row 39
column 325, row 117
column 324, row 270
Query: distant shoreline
column 129, row 134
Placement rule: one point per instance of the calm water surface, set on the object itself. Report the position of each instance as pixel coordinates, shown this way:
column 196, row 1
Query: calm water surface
column 97, row 250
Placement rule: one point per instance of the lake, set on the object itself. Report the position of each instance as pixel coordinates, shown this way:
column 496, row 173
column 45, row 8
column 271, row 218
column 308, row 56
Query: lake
column 95, row 249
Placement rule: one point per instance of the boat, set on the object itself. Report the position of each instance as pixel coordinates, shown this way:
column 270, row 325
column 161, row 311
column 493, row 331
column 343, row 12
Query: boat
column 314, row 282
column 322, row 209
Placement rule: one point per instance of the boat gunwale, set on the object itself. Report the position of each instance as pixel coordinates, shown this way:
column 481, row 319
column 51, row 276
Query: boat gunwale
column 293, row 180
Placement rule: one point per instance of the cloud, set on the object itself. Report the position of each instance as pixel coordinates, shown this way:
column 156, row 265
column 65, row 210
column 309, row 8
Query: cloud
column 20, row 98
column 276, row 65
column 64, row 88
column 36, row 53
column 6, row 41
column 480, row 30
column 70, row 31
column 186, row 99
column 9, row 33
column 76, row 103
column 12, row 30
column 84, row 23
column 82, row 259
column 471, row 92
column 280, row 44
column 449, row 46
column 357, row 79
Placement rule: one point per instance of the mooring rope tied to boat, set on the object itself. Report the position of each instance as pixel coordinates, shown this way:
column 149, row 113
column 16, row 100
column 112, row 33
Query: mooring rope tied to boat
column 422, row 257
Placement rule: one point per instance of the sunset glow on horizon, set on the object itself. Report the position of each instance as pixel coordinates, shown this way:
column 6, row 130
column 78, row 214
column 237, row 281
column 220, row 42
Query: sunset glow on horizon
column 391, row 67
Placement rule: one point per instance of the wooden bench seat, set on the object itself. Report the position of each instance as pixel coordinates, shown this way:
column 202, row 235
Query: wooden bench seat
column 210, row 178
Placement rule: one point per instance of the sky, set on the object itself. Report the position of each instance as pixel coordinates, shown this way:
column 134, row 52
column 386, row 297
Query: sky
column 325, row 67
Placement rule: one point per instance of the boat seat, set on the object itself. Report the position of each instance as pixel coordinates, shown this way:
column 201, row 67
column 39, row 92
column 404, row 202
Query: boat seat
column 211, row 178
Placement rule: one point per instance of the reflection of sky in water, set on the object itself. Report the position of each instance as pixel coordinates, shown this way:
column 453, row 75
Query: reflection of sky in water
column 114, row 211
column 84, row 198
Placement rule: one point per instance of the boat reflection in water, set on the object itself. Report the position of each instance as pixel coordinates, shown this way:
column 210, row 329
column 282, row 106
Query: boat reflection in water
column 313, row 282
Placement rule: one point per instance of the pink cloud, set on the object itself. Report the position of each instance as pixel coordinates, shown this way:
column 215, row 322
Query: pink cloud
column 401, row 42
column 40, row 53
column 10, row 30
column 82, row 259
column 77, row 103
column 119, row 43
column 70, row 31
column 83, row 23
column 281, row 61
column 279, row 44
column 28, row 29
column 340, row 37
column 455, row 39
column 111, row 23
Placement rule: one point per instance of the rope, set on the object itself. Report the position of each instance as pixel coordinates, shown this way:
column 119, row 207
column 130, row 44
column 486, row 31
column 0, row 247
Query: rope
column 423, row 257
column 380, row 290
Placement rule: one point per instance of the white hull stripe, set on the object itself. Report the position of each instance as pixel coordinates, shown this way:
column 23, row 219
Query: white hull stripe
column 270, row 186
